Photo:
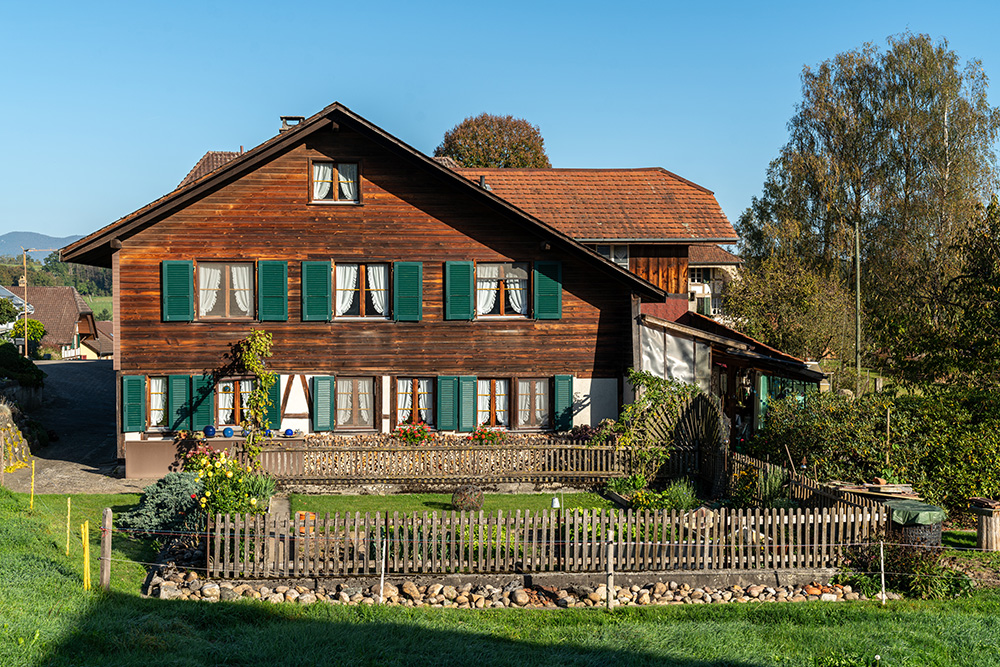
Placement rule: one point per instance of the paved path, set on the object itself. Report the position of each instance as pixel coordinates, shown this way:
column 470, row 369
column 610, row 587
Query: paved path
column 79, row 405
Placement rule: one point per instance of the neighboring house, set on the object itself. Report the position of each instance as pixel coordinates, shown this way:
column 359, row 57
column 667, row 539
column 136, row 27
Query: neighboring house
column 103, row 346
column 396, row 288
column 710, row 270
column 18, row 303
column 67, row 318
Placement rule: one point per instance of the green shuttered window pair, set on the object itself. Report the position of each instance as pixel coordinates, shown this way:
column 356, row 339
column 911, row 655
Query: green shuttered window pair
column 190, row 403
column 460, row 290
column 177, row 290
column 456, row 403
column 317, row 291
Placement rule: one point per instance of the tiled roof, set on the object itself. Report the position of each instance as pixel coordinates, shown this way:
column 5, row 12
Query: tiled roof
column 710, row 255
column 58, row 309
column 209, row 162
column 104, row 344
column 612, row 204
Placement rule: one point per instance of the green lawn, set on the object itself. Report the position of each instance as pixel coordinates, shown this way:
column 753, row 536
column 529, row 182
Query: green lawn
column 99, row 303
column 46, row 619
column 440, row 502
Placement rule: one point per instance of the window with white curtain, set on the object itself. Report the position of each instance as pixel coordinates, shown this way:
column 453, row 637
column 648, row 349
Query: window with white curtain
column 225, row 290
column 415, row 401
column 355, row 402
column 157, row 402
column 335, row 182
column 533, row 407
column 492, row 407
column 361, row 290
column 502, row 289
column 231, row 400
column 616, row 253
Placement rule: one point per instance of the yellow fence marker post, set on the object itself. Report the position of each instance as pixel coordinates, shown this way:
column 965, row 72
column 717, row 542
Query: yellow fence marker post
column 69, row 506
column 85, row 533
column 31, row 505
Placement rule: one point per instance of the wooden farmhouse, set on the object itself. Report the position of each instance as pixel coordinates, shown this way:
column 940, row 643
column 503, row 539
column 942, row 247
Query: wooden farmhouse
column 400, row 289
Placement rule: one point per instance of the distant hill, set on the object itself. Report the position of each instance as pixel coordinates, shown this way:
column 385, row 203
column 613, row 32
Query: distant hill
column 12, row 242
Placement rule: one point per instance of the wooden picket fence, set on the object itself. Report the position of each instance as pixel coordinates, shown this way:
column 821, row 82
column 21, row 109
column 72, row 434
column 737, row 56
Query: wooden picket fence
column 803, row 490
column 268, row 546
column 544, row 461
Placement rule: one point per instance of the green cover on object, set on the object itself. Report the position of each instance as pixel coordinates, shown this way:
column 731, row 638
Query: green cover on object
column 915, row 513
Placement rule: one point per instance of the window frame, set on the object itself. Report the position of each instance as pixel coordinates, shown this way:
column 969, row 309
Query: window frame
column 335, row 188
column 361, row 290
column 375, row 407
column 611, row 253
column 502, row 296
column 229, row 291
column 414, row 394
column 238, row 406
column 165, row 427
column 493, row 408
column 704, row 273
column 550, row 403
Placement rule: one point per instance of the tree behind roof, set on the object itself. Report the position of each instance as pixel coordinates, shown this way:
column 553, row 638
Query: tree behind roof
column 495, row 141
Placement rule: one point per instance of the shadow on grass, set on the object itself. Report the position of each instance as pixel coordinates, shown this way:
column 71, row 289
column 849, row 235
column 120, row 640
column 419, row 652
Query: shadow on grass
column 125, row 630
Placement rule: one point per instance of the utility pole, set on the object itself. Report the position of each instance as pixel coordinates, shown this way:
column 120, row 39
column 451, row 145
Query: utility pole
column 24, row 307
column 857, row 308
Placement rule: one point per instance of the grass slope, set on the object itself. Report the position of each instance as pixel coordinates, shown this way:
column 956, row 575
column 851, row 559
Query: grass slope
column 47, row 619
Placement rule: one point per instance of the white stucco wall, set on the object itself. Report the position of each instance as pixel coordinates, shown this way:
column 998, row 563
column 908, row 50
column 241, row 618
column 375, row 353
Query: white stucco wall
column 594, row 399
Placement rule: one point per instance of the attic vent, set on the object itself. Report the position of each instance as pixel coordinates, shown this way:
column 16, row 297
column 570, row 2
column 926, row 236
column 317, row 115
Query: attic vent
column 483, row 184
column 290, row 122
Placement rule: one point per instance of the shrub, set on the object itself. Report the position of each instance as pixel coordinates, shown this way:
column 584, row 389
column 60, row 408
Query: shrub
column 230, row 488
column 467, row 498
column 414, row 434
column 679, row 495
column 626, row 486
column 484, row 435
column 170, row 505
column 16, row 367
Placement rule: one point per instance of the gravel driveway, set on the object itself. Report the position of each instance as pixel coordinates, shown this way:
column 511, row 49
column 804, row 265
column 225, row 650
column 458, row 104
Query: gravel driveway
column 79, row 405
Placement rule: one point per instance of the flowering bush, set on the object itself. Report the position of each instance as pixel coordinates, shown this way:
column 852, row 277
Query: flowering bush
column 229, row 488
column 484, row 435
column 414, row 434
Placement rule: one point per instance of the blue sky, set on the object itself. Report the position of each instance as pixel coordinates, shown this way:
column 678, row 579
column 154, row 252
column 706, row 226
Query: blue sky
column 107, row 105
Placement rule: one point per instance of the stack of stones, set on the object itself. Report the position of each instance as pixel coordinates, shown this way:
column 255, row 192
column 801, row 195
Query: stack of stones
column 170, row 584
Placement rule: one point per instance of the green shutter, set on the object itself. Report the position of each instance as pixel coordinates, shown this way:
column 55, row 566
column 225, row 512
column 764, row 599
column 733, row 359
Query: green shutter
column 133, row 403
column 407, row 291
column 447, row 401
column 564, row 402
column 202, row 402
column 274, row 398
column 459, row 290
column 548, row 290
column 316, row 299
column 467, row 404
column 763, row 393
column 272, row 291
column 177, row 290
column 323, row 403
column 179, row 402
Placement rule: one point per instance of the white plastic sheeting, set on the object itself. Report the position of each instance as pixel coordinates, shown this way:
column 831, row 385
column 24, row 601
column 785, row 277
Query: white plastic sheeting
column 673, row 357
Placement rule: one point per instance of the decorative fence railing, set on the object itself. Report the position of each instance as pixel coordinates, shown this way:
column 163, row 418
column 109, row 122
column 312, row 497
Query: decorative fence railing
column 247, row 546
column 544, row 461
column 805, row 491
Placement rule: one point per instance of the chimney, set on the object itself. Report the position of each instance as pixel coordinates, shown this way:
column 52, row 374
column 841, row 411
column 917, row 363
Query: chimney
column 483, row 184
column 290, row 122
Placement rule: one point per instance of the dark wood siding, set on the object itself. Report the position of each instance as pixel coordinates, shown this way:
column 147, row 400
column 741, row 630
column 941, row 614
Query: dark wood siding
column 666, row 266
column 407, row 215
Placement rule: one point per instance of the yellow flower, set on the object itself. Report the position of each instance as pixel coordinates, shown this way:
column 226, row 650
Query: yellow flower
column 218, row 464
column 253, row 501
column 229, row 473
column 208, row 493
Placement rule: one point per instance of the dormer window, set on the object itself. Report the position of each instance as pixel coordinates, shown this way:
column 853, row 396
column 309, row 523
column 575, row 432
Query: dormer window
column 616, row 253
column 335, row 182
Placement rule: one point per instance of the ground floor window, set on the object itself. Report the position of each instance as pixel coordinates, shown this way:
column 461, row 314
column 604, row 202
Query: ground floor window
column 492, row 404
column 533, row 405
column 232, row 398
column 415, row 401
column 157, row 402
column 355, row 402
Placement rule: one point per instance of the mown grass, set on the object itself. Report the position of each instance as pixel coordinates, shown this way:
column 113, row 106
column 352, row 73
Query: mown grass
column 47, row 619
column 99, row 303
column 439, row 502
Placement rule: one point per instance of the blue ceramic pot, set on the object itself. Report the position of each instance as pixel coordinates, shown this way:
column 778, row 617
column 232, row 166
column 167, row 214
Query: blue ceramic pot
column 209, row 431
column 227, row 432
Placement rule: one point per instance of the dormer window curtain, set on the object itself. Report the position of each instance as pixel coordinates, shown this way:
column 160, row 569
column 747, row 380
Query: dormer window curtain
column 334, row 181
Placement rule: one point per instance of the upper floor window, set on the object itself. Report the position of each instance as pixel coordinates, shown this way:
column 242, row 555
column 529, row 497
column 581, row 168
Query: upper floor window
column 700, row 274
column 361, row 290
column 502, row 289
column 335, row 182
column 225, row 290
column 616, row 253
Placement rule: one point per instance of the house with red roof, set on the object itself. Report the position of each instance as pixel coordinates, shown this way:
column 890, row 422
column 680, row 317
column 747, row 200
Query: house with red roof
column 68, row 320
column 399, row 288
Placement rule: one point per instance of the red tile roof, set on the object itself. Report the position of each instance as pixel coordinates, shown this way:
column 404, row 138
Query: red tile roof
column 104, row 344
column 631, row 205
column 709, row 255
column 208, row 163
column 58, row 309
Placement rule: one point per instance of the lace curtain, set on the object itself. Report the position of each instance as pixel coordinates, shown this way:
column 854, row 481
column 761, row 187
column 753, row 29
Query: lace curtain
column 404, row 400
column 487, row 287
column 424, row 401
column 348, row 181
column 322, row 180
column 157, row 401
column 347, row 282
column 227, row 403
column 242, row 289
column 378, row 279
column 209, row 280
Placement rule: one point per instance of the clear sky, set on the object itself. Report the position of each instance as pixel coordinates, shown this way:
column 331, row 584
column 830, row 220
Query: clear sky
column 105, row 106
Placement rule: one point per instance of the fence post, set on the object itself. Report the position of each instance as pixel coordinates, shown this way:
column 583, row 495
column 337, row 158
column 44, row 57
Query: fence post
column 881, row 556
column 106, row 550
column 381, row 581
column 611, row 570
